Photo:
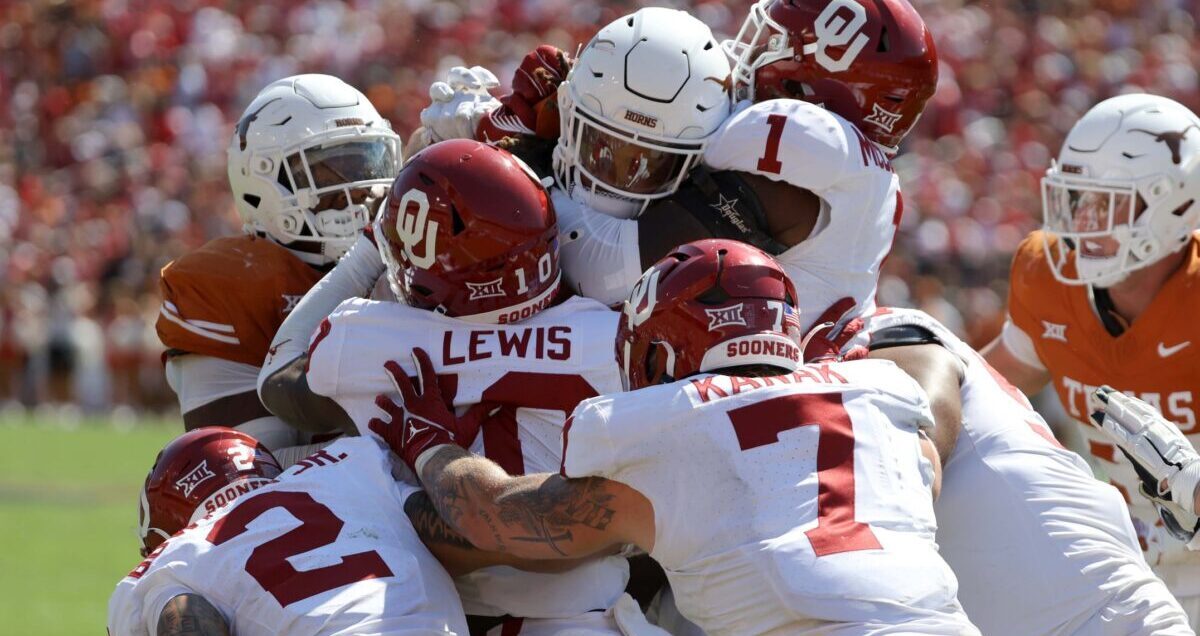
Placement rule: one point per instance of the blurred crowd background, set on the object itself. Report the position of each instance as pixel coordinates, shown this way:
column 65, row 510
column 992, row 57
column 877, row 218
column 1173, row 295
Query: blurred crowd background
column 115, row 114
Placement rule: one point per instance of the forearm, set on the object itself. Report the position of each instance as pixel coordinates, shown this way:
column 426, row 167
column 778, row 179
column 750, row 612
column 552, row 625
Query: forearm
column 287, row 394
column 191, row 615
column 533, row 517
column 354, row 276
column 466, row 490
column 455, row 553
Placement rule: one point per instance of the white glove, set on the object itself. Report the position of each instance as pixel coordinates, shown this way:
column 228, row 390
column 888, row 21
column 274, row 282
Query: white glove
column 458, row 103
column 1164, row 459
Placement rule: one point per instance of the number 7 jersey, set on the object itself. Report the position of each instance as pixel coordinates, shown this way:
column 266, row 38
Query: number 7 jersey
column 795, row 504
column 326, row 549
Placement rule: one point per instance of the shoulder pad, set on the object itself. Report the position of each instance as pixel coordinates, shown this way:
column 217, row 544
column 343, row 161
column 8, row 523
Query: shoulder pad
column 902, row 336
column 726, row 206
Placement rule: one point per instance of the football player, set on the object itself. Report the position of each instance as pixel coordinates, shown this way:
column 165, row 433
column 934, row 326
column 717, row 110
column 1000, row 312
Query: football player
column 779, row 498
column 469, row 237
column 1039, row 546
column 236, row 546
column 1097, row 295
column 804, row 174
column 307, row 162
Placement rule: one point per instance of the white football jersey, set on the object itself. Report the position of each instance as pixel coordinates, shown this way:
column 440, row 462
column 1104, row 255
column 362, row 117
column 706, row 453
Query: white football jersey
column 800, row 503
column 544, row 365
column 786, row 140
column 808, row 147
column 325, row 549
column 1039, row 545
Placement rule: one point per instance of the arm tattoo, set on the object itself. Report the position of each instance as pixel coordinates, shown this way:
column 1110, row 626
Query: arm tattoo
column 547, row 514
column 476, row 498
column 429, row 524
column 191, row 615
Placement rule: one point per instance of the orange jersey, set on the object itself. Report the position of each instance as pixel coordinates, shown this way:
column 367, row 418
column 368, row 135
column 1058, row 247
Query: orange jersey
column 227, row 299
column 1156, row 359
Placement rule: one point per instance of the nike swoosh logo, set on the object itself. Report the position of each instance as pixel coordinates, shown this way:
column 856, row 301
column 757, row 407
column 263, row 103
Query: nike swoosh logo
column 1165, row 351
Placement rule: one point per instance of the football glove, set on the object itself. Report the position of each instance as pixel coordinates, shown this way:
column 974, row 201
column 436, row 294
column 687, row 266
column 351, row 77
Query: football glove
column 532, row 107
column 828, row 335
column 424, row 421
column 1166, row 463
column 457, row 104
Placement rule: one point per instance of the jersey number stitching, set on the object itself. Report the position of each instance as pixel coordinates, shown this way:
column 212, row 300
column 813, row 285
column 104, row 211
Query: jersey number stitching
column 319, row 527
column 760, row 424
column 769, row 162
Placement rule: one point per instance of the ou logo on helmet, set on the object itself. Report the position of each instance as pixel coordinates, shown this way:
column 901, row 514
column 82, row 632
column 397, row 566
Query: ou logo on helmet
column 643, row 298
column 415, row 228
column 835, row 28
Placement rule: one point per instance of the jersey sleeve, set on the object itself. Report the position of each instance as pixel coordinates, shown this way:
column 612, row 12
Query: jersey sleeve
column 227, row 299
column 133, row 611
column 587, row 446
column 325, row 356
column 599, row 253
column 1020, row 344
column 785, row 140
column 1027, row 283
column 901, row 398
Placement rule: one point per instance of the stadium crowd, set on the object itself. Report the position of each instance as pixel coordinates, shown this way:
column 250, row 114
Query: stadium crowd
column 114, row 118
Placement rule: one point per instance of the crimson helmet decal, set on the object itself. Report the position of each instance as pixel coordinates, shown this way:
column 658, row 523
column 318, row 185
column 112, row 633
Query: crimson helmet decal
column 470, row 232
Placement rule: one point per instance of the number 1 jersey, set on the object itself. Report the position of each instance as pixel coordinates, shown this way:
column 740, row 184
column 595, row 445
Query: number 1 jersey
column 808, row 147
column 325, row 549
column 789, row 504
column 539, row 368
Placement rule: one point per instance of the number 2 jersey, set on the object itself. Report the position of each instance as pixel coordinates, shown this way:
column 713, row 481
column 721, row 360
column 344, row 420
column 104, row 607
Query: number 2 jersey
column 795, row 142
column 797, row 504
column 325, row 549
column 1039, row 546
column 543, row 366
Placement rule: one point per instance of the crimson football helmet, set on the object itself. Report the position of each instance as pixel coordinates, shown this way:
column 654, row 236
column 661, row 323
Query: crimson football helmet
column 709, row 305
column 468, row 231
column 871, row 61
column 197, row 473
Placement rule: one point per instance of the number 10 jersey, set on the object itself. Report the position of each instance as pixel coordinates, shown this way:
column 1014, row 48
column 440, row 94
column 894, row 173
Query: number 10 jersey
column 537, row 370
column 796, row 504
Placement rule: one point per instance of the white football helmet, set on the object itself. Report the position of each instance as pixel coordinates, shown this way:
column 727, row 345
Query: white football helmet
column 1124, row 192
column 637, row 108
column 305, row 161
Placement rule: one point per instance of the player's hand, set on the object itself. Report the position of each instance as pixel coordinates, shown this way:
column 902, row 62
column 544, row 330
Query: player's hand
column 425, row 420
column 532, row 108
column 828, row 335
column 1165, row 461
column 457, row 104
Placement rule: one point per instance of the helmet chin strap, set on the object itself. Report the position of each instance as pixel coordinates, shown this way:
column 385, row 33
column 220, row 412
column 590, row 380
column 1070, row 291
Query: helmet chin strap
column 603, row 203
column 1096, row 271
